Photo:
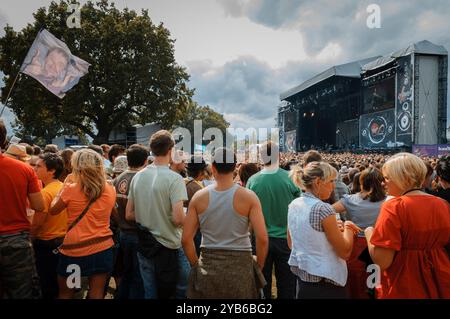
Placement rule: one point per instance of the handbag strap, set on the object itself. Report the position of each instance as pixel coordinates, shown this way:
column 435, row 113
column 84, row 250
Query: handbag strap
column 85, row 210
column 75, row 222
column 86, row 243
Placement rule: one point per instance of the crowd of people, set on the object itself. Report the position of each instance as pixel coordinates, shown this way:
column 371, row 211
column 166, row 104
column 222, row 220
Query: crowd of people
column 164, row 224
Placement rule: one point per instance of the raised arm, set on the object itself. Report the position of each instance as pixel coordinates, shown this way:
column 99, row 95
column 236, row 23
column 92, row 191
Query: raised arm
column 339, row 207
column 57, row 206
column 342, row 242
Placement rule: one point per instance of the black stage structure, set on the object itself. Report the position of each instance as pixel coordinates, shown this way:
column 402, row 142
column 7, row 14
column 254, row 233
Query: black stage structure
column 379, row 103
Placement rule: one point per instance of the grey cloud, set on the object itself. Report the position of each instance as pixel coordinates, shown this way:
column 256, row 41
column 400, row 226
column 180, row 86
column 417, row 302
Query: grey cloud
column 246, row 89
column 343, row 22
column 270, row 13
column 233, row 8
column 322, row 22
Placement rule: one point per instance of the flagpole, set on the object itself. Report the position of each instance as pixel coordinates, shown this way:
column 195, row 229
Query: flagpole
column 9, row 93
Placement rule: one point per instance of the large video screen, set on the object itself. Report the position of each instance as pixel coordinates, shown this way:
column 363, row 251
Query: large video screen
column 377, row 130
column 380, row 96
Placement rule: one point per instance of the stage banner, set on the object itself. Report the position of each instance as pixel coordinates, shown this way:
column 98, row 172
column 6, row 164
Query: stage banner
column 377, row 130
column 443, row 149
column 290, row 141
column 379, row 96
column 404, row 102
column 281, row 131
column 430, row 150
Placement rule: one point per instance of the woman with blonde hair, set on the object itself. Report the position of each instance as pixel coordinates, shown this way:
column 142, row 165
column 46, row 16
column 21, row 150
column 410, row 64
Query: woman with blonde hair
column 410, row 234
column 319, row 247
column 88, row 199
column 295, row 175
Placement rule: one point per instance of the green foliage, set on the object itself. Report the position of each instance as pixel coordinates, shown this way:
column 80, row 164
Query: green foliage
column 209, row 118
column 133, row 77
column 207, row 115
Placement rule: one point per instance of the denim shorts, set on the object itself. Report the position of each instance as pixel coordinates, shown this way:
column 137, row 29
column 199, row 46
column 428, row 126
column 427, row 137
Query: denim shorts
column 99, row 263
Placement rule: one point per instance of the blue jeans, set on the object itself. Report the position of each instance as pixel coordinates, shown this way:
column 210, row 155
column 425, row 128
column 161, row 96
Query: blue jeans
column 184, row 269
column 131, row 286
column 147, row 270
column 149, row 278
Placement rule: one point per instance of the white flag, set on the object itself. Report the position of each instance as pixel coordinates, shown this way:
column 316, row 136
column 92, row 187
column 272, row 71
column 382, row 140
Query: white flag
column 50, row 61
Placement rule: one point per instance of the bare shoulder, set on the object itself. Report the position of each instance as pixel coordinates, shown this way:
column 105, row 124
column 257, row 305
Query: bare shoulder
column 244, row 201
column 245, row 194
column 200, row 200
column 201, row 194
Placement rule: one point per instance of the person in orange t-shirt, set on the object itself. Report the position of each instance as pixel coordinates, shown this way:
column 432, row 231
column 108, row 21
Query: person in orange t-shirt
column 89, row 243
column 410, row 234
column 47, row 230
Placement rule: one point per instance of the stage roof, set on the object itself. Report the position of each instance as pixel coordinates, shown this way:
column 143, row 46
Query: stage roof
column 422, row 47
column 352, row 70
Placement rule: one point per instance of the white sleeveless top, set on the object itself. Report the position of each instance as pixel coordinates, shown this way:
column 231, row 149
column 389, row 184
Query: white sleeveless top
column 311, row 251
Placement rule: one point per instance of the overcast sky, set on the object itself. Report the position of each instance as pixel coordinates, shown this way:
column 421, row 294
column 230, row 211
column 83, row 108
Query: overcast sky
column 241, row 54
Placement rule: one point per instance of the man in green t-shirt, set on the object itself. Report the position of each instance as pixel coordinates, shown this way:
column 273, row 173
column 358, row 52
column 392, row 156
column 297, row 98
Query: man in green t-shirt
column 155, row 202
column 275, row 191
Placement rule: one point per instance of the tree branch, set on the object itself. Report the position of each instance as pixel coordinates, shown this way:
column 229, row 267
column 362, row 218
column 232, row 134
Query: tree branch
column 84, row 128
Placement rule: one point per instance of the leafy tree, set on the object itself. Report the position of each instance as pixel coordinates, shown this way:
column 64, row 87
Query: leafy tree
column 133, row 77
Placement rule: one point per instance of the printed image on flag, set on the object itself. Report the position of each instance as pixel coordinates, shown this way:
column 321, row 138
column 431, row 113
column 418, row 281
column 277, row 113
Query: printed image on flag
column 50, row 62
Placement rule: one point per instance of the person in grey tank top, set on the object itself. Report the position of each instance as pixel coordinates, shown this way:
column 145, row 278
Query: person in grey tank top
column 223, row 212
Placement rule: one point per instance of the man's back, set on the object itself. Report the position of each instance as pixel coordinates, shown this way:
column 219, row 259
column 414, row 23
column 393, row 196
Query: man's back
column 275, row 191
column 17, row 180
column 231, row 207
column 153, row 191
column 122, row 185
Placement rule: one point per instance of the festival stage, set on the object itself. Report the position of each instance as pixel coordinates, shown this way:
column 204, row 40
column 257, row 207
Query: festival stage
column 379, row 103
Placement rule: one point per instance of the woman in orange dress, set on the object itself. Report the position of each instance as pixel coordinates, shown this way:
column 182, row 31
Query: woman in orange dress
column 411, row 232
